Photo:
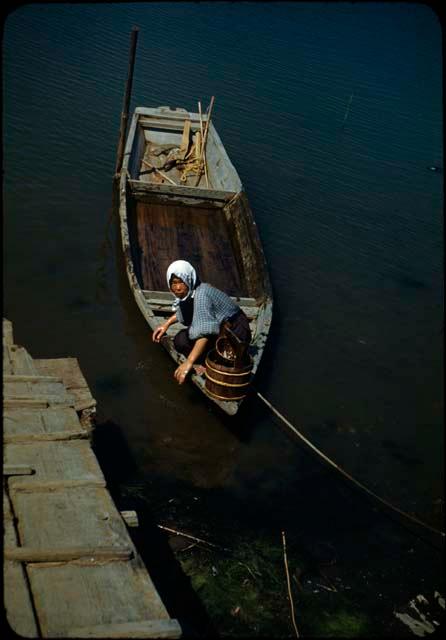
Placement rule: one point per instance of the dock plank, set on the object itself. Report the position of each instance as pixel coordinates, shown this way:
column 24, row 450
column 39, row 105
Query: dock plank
column 81, row 516
column 36, row 388
column 7, row 332
column 69, row 370
column 114, row 593
column 22, row 362
column 7, row 362
column 17, row 600
column 54, row 461
column 143, row 629
column 34, row 421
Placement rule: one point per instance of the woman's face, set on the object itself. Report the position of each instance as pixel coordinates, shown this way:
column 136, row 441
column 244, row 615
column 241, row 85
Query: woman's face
column 178, row 288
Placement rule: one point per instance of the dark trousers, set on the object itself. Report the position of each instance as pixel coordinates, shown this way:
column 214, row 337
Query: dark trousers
column 239, row 324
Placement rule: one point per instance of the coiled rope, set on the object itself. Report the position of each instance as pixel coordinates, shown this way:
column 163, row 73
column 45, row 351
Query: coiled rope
column 344, row 473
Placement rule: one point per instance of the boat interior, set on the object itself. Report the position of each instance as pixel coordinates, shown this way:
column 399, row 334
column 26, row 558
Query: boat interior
column 161, row 233
column 168, row 150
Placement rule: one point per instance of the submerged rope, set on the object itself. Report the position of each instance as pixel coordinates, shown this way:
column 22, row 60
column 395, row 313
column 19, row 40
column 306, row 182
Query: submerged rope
column 344, row 473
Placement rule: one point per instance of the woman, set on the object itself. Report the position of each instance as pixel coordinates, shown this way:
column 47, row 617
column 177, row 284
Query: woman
column 202, row 309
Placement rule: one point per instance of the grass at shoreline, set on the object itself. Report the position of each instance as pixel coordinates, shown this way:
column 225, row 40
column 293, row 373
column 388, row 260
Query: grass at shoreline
column 246, row 594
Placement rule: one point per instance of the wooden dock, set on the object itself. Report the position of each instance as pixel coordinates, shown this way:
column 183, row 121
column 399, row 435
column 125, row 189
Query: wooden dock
column 70, row 567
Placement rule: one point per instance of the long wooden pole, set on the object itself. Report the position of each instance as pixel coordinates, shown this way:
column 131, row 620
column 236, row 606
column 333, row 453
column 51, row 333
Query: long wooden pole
column 203, row 146
column 202, row 140
column 126, row 102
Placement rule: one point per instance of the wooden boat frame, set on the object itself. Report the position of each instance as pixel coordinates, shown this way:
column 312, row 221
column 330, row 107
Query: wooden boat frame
column 144, row 192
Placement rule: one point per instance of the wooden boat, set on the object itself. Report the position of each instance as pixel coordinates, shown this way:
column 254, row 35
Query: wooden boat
column 169, row 212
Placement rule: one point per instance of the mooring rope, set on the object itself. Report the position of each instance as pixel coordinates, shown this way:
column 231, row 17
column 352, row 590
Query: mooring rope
column 344, row 473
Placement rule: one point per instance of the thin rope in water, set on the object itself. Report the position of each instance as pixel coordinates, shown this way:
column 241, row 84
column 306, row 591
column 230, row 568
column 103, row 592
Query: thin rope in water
column 344, row 473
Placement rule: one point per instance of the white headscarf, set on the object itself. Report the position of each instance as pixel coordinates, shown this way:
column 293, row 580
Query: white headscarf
column 185, row 271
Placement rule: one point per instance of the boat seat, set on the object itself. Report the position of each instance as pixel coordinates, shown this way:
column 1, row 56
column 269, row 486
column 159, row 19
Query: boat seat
column 161, row 303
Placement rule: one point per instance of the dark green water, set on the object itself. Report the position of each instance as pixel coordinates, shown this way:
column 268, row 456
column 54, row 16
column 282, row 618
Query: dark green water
column 332, row 115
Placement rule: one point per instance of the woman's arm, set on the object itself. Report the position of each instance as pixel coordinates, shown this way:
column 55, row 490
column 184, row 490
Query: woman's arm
column 162, row 329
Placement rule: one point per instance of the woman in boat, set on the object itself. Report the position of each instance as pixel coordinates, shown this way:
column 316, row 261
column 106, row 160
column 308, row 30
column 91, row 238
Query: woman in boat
column 202, row 308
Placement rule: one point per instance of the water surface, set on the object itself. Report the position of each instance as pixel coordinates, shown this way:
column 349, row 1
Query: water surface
column 332, row 115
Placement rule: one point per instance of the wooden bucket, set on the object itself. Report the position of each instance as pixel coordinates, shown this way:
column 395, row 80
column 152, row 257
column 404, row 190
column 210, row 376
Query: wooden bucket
column 224, row 381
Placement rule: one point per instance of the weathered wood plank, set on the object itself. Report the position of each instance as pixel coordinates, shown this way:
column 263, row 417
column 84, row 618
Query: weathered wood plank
column 162, row 306
column 56, row 485
column 22, row 362
column 33, row 378
column 139, row 188
column 16, row 598
column 166, row 112
column 25, row 402
column 7, row 363
column 55, row 461
column 9, row 531
column 119, row 592
column 17, row 470
column 35, row 420
column 69, row 371
column 160, row 123
column 130, row 518
column 31, row 554
column 38, row 401
column 38, row 437
column 84, row 516
column 165, row 297
column 143, row 629
column 35, row 391
column 7, row 513
column 17, row 601
column 7, row 332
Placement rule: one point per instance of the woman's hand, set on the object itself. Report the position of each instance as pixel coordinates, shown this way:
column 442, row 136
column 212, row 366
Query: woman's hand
column 159, row 332
column 162, row 329
column 182, row 371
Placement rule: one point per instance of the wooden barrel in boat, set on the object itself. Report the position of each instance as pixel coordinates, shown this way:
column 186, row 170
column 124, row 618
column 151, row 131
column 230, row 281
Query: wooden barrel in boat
column 224, row 381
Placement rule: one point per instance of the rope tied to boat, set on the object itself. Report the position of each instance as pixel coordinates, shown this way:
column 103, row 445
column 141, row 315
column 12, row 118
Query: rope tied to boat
column 344, row 473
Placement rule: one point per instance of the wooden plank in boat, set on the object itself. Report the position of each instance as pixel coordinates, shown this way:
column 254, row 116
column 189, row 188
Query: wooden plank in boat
column 164, row 297
column 54, row 461
column 161, row 123
column 161, row 305
column 166, row 112
column 139, row 188
column 66, row 518
column 169, row 116
column 250, row 312
column 112, row 593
